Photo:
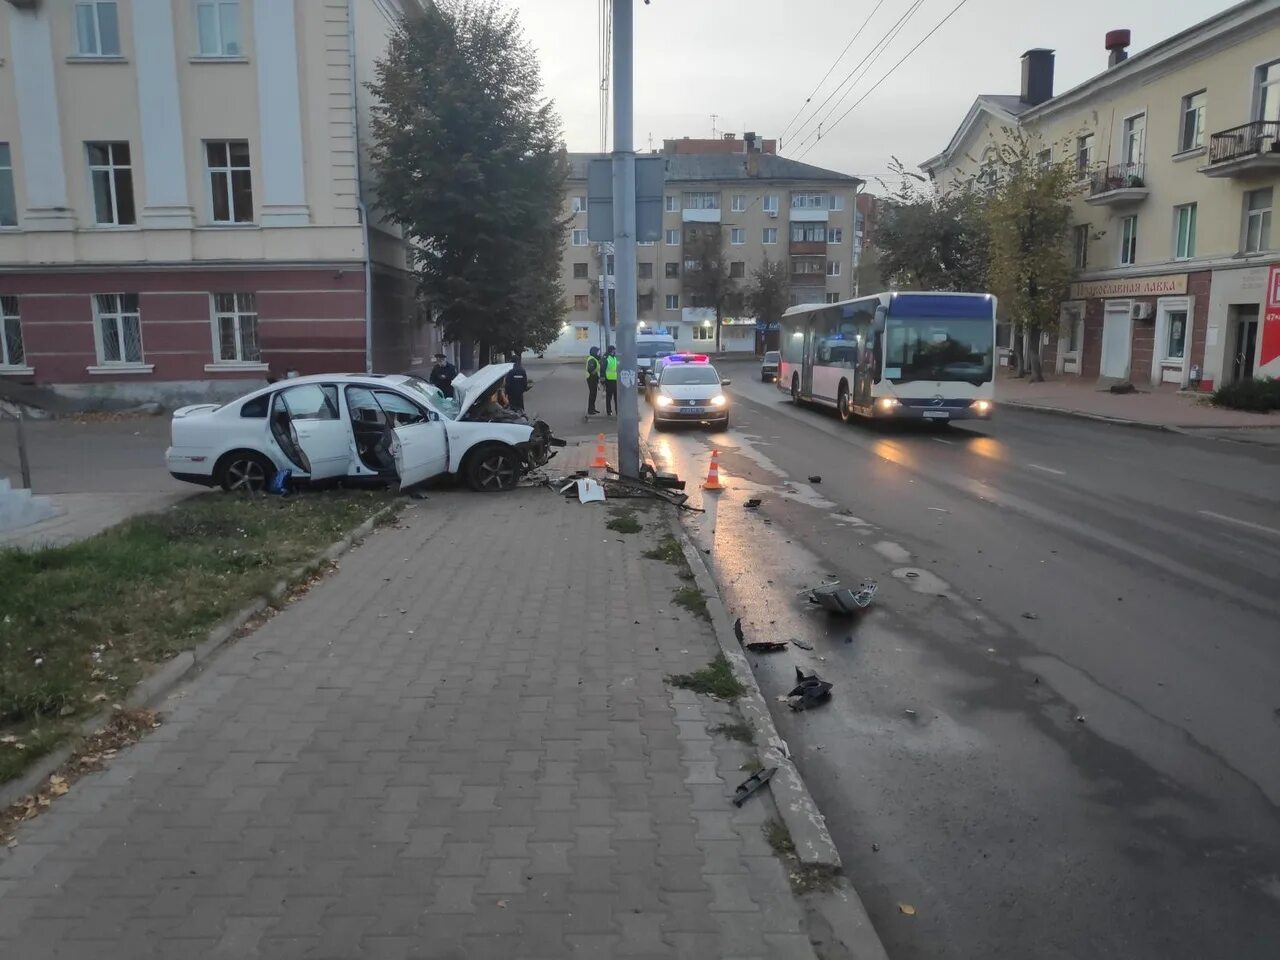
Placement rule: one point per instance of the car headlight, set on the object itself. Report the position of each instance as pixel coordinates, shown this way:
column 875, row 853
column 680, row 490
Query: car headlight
column 982, row 406
column 719, row 400
column 887, row 403
column 663, row 400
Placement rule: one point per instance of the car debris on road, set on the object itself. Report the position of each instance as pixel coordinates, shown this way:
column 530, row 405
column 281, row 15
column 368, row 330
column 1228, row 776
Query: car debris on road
column 753, row 783
column 809, row 691
column 757, row 646
column 843, row 600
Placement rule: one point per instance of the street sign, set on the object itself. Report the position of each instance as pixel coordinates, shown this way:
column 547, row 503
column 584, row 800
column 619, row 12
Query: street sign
column 651, row 179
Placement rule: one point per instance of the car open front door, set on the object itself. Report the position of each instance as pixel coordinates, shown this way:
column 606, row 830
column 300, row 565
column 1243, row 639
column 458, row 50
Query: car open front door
column 421, row 451
column 309, row 428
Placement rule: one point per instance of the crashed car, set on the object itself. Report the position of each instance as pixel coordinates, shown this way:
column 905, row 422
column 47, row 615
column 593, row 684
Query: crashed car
column 360, row 427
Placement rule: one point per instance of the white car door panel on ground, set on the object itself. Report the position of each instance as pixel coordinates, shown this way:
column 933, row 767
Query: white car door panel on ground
column 421, row 451
column 318, row 428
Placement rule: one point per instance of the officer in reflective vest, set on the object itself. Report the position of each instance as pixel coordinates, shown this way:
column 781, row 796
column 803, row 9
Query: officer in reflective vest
column 593, row 380
column 611, row 382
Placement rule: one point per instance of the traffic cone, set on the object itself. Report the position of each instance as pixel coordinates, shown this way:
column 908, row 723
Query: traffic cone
column 713, row 473
column 600, row 466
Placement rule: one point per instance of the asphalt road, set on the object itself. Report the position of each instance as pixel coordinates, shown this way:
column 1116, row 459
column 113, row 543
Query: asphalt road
column 1057, row 733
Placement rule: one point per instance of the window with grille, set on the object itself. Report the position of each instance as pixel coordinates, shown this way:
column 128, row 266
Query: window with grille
column 218, row 28
column 119, row 328
column 12, row 353
column 230, row 180
column 579, row 271
column 581, row 301
column 235, row 328
column 111, row 173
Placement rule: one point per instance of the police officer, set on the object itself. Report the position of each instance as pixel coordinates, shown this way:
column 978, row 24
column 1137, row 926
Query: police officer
column 443, row 374
column 517, row 382
column 611, row 381
column 593, row 380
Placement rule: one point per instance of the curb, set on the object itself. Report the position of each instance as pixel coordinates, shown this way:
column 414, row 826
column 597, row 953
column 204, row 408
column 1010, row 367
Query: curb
column 156, row 686
column 1098, row 417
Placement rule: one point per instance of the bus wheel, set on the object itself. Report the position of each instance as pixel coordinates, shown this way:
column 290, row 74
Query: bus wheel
column 795, row 388
column 845, row 404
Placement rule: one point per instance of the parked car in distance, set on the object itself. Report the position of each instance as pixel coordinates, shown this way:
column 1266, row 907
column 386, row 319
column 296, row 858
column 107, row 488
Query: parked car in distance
column 770, row 365
column 359, row 427
column 690, row 392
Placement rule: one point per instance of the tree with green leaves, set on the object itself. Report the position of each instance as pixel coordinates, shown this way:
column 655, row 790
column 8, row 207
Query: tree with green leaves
column 1029, row 221
column 931, row 239
column 468, row 161
column 707, row 277
column 767, row 294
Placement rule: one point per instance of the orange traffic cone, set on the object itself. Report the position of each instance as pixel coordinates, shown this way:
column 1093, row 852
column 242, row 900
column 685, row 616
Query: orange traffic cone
column 600, row 465
column 713, row 473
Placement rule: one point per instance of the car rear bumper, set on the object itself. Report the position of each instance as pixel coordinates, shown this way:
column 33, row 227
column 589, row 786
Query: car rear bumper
column 203, row 479
column 190, row 464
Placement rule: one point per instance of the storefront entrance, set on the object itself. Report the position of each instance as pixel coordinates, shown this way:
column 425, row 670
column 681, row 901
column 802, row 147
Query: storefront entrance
column 1117, row 330
column 1245, row 342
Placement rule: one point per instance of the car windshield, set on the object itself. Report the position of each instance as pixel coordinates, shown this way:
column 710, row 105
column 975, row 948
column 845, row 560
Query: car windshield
column 771, row 356
column 648, row 349
column 944, row 349
column 446, row 406
column 683, row 374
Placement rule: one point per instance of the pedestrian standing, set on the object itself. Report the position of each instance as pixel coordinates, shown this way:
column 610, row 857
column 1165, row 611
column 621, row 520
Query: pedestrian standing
column 443, row 374
column 593, row 380
column 611, row 381
column 516, row 384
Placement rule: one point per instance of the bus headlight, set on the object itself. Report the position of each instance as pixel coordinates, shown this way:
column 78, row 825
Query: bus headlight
column 719, row 400
column 886, row 403
column 662, row 400
column 982, row 406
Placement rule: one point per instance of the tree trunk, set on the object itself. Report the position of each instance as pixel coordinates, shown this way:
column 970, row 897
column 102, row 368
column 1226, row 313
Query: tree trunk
column 1035, row 364
column 717, row 329
column 1015, row 338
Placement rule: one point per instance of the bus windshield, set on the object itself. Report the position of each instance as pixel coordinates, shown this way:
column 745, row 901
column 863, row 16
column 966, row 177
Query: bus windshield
column 950, row 348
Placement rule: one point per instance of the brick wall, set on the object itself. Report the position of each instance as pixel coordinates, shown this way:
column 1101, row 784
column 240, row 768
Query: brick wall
column 1198, row 287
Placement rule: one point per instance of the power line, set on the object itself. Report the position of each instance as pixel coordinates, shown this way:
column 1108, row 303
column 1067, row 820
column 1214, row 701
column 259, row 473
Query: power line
column 831, row 69
column 861, row 69
column 919, row 43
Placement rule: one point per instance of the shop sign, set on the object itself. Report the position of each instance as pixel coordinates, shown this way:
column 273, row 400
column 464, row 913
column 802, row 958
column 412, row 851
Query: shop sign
column 1168, row 286
column 1271, row 320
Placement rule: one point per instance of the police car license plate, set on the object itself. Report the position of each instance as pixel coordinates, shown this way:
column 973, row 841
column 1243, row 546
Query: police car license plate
column 693, row 411
column 936, row 415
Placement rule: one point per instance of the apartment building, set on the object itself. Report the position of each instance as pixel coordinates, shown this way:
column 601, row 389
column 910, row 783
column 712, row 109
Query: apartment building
column 756, row 203
column 1177, row 149
column 181, row 204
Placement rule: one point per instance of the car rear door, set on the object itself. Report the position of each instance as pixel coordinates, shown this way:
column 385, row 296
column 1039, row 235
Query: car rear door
column 309, row 413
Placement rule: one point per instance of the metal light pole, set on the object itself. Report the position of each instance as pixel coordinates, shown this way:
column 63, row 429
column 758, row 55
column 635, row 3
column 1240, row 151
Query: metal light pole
column 604, row 293
column 624, row 240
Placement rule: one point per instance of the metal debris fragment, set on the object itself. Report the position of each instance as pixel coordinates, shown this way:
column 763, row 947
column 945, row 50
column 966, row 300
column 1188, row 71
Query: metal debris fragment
column 753, row 783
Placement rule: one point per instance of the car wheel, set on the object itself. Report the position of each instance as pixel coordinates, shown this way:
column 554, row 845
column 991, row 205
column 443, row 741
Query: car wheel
column 493, row 468
column 795, row 388
column 845, row 404
column 245, row 472
column 720, row 426
column 658, row 424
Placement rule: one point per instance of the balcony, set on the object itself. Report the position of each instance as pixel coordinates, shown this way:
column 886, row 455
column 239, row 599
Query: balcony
column 809, row 279
column 808, row 246
column 1250, row 150
column 1118, row 185
column 809, row 215
column 700, row 215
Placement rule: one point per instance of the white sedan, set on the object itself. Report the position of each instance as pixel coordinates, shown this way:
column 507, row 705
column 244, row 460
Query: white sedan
column 365, row 427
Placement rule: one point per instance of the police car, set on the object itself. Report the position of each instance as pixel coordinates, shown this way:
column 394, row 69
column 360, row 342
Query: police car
column 689, row 390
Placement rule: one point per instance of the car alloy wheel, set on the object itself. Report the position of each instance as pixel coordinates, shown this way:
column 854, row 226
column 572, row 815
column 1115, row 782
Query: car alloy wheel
column 495, row 470
column 245, row 474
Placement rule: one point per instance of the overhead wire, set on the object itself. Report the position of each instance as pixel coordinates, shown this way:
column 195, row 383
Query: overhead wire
column 830, row 69
column 905, row 56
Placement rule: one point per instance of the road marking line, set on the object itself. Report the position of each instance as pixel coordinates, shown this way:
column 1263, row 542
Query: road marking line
column 940, row 440
column 1241, row 523
column 1036, row 466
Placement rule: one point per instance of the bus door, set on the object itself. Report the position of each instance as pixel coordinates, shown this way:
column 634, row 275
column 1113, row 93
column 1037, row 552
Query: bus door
column 810, row 355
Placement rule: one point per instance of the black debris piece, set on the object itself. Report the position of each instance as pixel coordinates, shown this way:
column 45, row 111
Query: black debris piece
column 815, row 479
column 1030, row 616
column 767, row 646
column 809, row 691
column 737, row 629
column 844, row 600
column 753, row 783
column 753, row 503
column 668, row 480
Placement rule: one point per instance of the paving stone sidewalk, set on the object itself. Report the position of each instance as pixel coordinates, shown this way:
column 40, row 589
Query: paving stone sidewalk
column 460, row 745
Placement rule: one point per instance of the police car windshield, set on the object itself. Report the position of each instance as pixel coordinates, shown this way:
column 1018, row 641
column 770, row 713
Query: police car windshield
column 681, row 374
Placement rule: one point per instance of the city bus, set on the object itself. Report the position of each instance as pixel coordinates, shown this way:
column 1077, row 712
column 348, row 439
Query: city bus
column 918, row 356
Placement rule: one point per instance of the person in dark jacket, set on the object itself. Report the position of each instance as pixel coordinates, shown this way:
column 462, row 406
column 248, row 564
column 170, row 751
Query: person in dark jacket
column 443, row 374
column 593, row 380
column 517, row 382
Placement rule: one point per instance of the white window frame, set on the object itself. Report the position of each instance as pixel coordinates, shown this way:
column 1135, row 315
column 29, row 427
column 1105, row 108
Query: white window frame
column 835, row 236
column 227, row 173
column 835, row 201
column 1264, row 215
column 579, row 204
column 1129, row 244
column 117, row 314
column 739, row 203
column 1163, row 363
column 833, row 268
column 833, row 297
column 1189, row 106
column 1070, row 320
column 1187, row 252
column 737, row 236
column 672, row 301
column 673, row 238
column 701, row 200
column 111, row 168
column 94, row 9
column 579, row 238
column 1133, row 131
column 1084, row 155
column 764, row 237
column 1044, row 159
column 703, row 334
column 808, row 201
column 11, row 318
column 1259, row 85
column 770, row 203
column 8, row 186
column 222, row 47
column 672, row 203
column 243, row 309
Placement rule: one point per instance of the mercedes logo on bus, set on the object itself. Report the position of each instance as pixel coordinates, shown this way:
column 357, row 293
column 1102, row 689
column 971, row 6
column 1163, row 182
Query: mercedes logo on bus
column 937, row 400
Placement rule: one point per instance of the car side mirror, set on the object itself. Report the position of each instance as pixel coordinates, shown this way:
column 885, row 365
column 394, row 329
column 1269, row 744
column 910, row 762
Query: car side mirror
column 725, row 382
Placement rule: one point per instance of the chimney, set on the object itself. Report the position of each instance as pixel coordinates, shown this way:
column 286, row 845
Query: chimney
column 1037, row 76
column 749, row 138
column 1118, row 44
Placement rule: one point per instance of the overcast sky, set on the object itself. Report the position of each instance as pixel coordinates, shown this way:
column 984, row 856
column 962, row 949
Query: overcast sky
column 753, row 63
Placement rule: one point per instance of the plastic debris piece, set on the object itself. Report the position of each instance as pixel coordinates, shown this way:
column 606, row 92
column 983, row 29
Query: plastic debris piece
column 766, row 646
column 753, row 783
column 809, row 691
column 907, row 908
column 589, row 490
column 844, row 600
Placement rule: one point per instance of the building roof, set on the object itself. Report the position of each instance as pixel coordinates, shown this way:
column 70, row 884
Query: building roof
column 693, row 167
column 1002, row 106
